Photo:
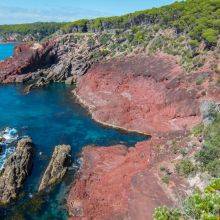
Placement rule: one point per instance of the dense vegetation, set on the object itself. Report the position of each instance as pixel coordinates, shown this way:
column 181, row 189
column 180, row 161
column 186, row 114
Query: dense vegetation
column 209, row 155
column 201, row 205
column 149, row 39
column 38, row 30
column 200, row 19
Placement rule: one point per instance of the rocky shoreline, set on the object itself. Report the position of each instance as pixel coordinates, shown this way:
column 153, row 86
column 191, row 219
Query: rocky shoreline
column 86, row 106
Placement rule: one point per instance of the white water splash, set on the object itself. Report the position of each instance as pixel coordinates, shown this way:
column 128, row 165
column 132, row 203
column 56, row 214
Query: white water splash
column 8, row 141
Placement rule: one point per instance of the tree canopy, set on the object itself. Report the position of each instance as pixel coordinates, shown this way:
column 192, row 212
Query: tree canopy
column 199, row 18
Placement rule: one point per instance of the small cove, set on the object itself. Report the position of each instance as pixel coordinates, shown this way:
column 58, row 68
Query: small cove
column 51, row 116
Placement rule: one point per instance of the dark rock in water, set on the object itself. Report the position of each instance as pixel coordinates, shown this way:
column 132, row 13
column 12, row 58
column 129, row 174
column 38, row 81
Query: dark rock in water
column 57, row 167
column 16, row 169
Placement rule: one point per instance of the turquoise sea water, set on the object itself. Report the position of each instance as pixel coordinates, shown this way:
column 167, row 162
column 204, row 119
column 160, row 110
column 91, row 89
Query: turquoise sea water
column 6, row 50
column 51, row 116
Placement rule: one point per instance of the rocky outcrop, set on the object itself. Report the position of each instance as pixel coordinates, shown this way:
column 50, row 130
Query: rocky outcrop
column 26, row 59
column 116, row 183
column 148, row 94
column 57, row 167
column 74, row 59
column 62, row 59
column 16, row 169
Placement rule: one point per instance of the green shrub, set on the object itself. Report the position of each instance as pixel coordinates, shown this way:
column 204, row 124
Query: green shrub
column 213, row 167
column 209, row 155
column 164, row 213
column 96, row 24
column 198, row 130
column 199, row 80
column 166, row 179
column 185, row 167
column 181, row 38
column 105, row 38
column 213, row 186
column 139, row 37
column 199, row 206
column 183, row 151
column 194, row 43
column 203, row 205
column 210, row 35
column 105, row 52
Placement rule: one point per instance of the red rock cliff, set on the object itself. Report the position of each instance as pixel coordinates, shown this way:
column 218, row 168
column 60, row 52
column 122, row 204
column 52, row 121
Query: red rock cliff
column 26, row 58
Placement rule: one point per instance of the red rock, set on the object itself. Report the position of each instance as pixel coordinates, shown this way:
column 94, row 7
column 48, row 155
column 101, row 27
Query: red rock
column 148, row 94
column 116, row 183
column 26, row 58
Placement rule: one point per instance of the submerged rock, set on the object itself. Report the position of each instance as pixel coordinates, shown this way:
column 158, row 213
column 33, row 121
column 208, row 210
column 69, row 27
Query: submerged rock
column 16, row 169
column 57, row 167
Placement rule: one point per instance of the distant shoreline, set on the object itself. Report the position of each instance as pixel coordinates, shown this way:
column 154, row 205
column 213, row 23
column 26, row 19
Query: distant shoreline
column 10, row 42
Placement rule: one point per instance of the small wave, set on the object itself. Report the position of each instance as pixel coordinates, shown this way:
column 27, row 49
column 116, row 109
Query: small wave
column 6, row 153
column 8, row 141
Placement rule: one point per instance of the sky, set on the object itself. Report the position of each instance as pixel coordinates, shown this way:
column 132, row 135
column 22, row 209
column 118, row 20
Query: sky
column 27, row 11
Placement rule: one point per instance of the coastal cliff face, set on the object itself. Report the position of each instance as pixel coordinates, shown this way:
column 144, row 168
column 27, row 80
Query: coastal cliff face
column 25, row 60
column 63, row 59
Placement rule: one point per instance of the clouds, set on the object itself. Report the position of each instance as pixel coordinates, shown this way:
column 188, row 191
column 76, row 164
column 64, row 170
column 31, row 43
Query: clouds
column 12, row 15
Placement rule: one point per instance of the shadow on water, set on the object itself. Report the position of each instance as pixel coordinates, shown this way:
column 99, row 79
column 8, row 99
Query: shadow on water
column 51, row 117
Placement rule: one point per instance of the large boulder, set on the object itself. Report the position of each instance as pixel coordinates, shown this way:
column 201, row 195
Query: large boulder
column 16, row 169
column 59, row 163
